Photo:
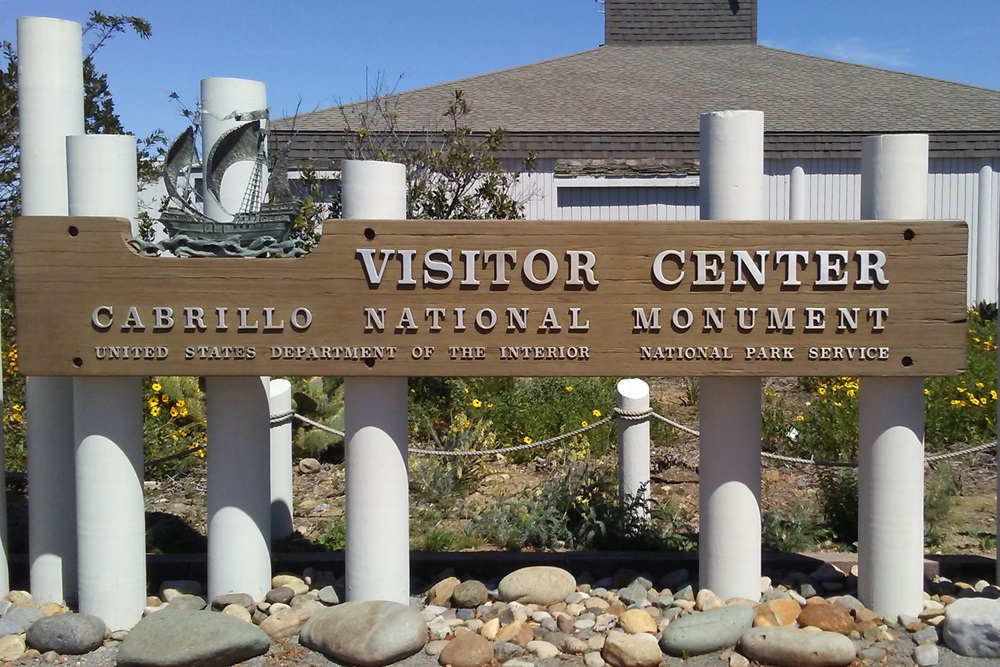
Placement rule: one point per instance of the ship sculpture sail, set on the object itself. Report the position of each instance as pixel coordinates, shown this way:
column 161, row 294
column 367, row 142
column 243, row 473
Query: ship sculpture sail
column 255, row 218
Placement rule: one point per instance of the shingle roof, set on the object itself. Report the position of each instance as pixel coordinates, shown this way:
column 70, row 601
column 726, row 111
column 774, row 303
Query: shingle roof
column 680, row 21
column 616, row 91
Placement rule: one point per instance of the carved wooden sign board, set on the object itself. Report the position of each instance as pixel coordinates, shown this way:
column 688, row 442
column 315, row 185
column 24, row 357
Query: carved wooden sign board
column 503, row 298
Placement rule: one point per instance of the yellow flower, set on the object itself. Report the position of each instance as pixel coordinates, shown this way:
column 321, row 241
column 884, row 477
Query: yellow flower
column 184, row 412
column 155, row 411
column 466, row 424
column 465, row 390
column 413, row 391
column 821, row 390
column 164, row 398
column 596, row 413
column 489, row 405
column 156, row 386
column 980, row 385
column 173, row 412
column 838, row 404
column 528, row 440
column 181, row 403
column 174, row 437
column 993, row 394
column 17, row 417
column 151, row 402
column 800, row 418
column 584, row 423
column 476, row 403
column 569, row 387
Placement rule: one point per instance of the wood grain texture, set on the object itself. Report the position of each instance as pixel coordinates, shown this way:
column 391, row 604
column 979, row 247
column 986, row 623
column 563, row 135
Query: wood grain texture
column 68, row 268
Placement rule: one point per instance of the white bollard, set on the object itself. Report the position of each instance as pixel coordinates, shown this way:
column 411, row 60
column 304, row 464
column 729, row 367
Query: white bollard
column 891, row 410
column 239, row 508
column 280, row 402
column 50, row 108
column 732, row 159
column 798, row 199
column 632, row 400
column 377, row 553
column 111, row 518
column 986, row 289
column 239, row 472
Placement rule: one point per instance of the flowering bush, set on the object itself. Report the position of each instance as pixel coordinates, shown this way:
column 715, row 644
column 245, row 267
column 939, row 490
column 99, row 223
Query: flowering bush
column 173, row 422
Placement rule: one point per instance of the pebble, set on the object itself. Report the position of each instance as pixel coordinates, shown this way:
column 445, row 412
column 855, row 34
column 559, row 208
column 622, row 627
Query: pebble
column 67, row 634
column 707, row 631
column 971, row 627
column 541, row 584
column 368, row 634
column 470, row 594
column 467, row 650
column 209, row 639
column 794, row 647
column 636, row 621
column 172, row 588
column 18, row 620
column 542, row 649
column 621, row 650
column 296, row 583
column 593, row 659
column 926, row 655
column 12, row 647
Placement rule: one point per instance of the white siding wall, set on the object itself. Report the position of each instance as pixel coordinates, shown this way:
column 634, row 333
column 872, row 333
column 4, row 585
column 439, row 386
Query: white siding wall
column 833, row 188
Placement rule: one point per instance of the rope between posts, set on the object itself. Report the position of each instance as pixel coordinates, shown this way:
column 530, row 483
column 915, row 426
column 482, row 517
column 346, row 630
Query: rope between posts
column 618, row 413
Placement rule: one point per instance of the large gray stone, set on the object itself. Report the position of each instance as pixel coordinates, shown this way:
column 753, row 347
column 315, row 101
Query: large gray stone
column 191, row 639
column 540, row 584
column 18, row 620
column 67, row 634
column 368, row 634
column 792, row 647
column 706, row 631
column 972, row 627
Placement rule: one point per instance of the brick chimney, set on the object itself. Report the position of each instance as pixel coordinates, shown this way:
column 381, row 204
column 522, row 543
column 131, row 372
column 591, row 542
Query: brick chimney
column 643, row 22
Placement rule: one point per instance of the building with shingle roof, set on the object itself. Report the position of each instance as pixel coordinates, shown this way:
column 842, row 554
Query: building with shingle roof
column 616, row 127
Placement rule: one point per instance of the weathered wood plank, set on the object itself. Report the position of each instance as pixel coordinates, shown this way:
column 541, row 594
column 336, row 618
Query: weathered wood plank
column 589, row 301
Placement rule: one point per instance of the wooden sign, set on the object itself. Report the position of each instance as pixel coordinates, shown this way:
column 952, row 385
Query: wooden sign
column 503, row 298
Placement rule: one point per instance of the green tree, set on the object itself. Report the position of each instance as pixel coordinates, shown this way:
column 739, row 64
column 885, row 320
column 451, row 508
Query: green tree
column 454, row 173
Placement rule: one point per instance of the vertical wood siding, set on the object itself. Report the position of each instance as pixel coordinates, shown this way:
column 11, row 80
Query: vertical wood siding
column 832, row 186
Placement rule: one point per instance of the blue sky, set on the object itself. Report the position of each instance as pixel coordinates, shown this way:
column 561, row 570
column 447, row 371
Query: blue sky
column 317, row 53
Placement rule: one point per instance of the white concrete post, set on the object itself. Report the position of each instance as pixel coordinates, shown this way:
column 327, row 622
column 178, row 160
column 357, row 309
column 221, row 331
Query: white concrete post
column 239, row 508
column 891, row 410
column 239, row 472
column 111, row 518
column 280, row 402
column 798, row 197
column 732, row 175
column 633, row 446
column 50, row 108
column 377, row 553
column 986, row 289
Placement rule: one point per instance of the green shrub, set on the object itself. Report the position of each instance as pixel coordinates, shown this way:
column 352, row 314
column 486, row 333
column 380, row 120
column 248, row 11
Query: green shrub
column 838, row 498
column 321, row 399
column 173, row 423
column 334, row 535
column 941, row 493
column 793, row 532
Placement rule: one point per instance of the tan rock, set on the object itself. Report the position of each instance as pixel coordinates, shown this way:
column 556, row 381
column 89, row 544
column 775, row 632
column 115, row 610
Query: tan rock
column 621, row 650
column 238, row 611
column 517, row 633
column 53, row 609
column 786, row 611
column 441, row 592
column 467, row 649
column 20, row 599
column 288, row 622
column 707, row 600
column 764, row 617
column 490, row 629
column 12, row 647
column 297, row 584
column 596, row 603
column 827, row 617
column 636, row 621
